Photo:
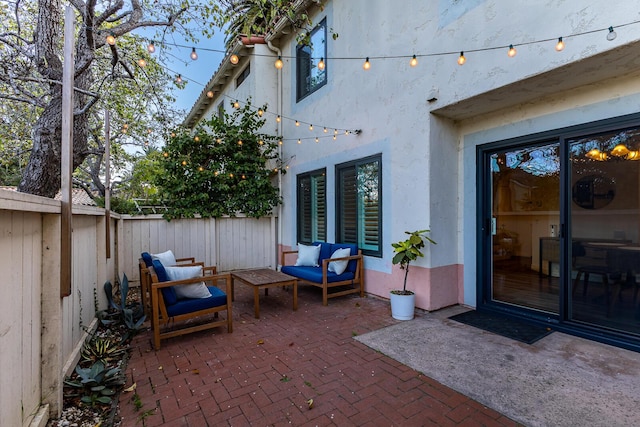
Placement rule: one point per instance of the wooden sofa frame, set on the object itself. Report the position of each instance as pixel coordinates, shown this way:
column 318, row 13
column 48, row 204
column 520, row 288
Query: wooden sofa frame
column 160, row 318
column 357, row 281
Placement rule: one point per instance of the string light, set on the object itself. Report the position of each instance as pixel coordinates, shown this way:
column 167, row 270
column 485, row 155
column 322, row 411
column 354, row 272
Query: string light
column 317, row 140
column 310, row 127
column 297, row 123
column 234, row 59
column 321, row 64
column 239, row 142
column 279, row 64
column 236, row 104
column 111, row 39
column 142, row 63
column 325, row 130
column 210, row 94
column 560, row 44
column 414, row 61
column 335, row 137
column 196, row 138
column 512, row 51
column 461, row 59
column 611, row 35
column 194, row 54
column 260, row 112
column 367, row 65
column 151, row 47
column 179, row 78
column 278, row 119
column 299, row 141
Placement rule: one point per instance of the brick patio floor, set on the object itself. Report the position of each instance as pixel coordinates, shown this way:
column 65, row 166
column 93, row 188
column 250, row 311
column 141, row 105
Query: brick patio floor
column 266, row 371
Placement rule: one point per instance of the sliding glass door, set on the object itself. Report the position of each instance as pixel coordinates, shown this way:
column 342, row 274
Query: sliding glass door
column 560, row 228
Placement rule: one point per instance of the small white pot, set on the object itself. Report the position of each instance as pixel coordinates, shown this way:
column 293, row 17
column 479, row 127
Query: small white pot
column 402, row 306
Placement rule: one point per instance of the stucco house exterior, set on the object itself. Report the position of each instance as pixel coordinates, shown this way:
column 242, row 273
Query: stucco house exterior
column 508, row 158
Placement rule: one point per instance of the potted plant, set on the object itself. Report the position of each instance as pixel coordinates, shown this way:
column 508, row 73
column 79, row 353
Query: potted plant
column 403, row 301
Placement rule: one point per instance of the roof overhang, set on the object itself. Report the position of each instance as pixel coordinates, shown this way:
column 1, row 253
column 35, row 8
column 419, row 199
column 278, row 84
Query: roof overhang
column 602, row 66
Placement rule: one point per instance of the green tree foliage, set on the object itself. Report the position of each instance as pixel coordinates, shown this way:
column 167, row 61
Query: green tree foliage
column 226, row 166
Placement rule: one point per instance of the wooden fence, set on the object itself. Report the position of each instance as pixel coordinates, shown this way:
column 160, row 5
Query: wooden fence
column 41, row 333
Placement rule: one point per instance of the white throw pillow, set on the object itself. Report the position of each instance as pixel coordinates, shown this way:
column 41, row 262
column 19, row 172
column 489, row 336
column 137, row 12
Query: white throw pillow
column 339, row 267
column 197, row 290
column 166, row 258
column 308, row 255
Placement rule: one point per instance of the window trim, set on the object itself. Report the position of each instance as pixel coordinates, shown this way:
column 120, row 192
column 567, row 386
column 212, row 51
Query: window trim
column 338, row 185
column 322, row 25
column 299, row 202
column 242, row 76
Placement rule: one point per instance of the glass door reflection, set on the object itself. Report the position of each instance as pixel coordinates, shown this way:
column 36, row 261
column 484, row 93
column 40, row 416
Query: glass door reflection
column 525, row 220
column 604, row 218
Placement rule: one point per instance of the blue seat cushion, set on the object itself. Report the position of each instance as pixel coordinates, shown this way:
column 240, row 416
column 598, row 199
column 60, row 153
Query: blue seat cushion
column 189, row 305
column 314, row 274
column 146, row 257
column 168, row 293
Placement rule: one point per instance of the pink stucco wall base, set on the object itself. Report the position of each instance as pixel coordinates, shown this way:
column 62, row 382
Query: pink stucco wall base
column 435, row 288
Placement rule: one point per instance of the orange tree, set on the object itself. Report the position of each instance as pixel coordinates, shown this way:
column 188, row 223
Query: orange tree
column 225, row 166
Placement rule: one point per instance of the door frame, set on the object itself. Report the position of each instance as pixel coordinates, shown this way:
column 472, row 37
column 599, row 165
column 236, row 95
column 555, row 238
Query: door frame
column 561, row 322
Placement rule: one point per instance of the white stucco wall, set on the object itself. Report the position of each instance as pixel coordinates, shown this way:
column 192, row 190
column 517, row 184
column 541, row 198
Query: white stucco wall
column 428, row 146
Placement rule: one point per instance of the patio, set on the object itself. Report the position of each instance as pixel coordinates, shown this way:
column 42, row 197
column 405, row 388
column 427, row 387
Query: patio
column 268, row 369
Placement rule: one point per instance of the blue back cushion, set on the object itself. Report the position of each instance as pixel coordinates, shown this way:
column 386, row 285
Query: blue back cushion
column 168, row 293
column 354, row 251
column 325, row 251
column 146, row 257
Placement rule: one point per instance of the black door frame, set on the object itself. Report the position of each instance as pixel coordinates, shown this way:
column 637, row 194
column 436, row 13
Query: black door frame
column 561, row 322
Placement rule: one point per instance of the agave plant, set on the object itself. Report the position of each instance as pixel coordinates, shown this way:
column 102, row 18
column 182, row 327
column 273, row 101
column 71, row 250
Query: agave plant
column 105, row 350
column 97, row 382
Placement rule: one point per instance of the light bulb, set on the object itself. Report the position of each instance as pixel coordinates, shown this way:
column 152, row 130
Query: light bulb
column 196, row 138
column 280, row 142
column 261, row 142
column 194, row 54
column 236, row 104
column 200, row 168
column 297, row 123
column 151, row 47
column 260, row 112
column 335, row 131
column 234, row 59
column 239, row 142
column 165, row 154
column 184, row 163
column 461, row 59
column 111, row 39
column 299, row 141
column 611, row 35
column 321, row 64
column 335, row 137
column 414, row 61
column 179, row 78
column 325, row 130
column 512, row 51
column 279, row 64
column 310, row 127
column 367, row 64
column 278, row 119
column 317, row 140
column 210, row 94
column 142, row 63
column 560, row 44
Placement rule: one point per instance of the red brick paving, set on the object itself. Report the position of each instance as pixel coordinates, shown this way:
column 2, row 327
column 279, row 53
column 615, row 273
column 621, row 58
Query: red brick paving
column 264, row 373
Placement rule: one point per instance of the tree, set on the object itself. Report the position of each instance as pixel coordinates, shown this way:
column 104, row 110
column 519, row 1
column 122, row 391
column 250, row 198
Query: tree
column 31, row 58
column 226, row 166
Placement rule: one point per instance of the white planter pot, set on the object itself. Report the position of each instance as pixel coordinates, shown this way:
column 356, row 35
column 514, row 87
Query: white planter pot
column 402, row 306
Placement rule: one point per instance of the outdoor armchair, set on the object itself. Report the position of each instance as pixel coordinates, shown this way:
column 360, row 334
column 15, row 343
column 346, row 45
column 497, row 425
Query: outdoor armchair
column 179, row 306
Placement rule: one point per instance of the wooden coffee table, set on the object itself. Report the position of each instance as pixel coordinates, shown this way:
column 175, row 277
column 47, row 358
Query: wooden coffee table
column 264, row 278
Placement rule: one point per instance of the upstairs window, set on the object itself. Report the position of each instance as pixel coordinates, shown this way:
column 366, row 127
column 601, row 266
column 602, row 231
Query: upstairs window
column 243, row 75
column 359, row 204
column 312, row 213
column 221, row 110
column 309, row 77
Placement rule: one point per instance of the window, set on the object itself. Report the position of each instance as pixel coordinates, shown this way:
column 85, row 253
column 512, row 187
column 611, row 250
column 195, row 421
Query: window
column 359, row 204
column 312, row 214
column 243, row 75
column 221, row 110
column 309, row 77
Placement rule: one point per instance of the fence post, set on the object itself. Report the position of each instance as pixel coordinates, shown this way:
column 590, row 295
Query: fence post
column 52, row 339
